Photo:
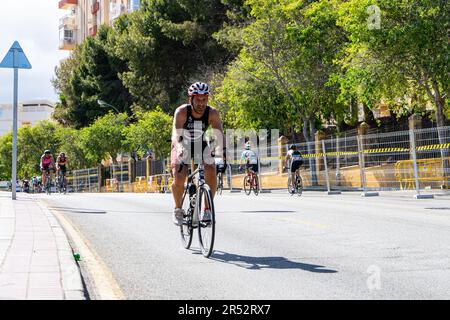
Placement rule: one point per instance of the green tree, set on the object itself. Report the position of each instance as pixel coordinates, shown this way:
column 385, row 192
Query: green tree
column 104, row 137
column 167, row 45
column 72, row 146
column 90, row 74
column 152, row 131
column 6, row 156
column 408, row 51
column 289, row 49
column 31, row 143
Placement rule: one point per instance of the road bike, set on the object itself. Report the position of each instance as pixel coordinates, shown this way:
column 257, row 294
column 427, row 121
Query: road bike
column 251, row 182
column 48, row 182
column 197, row 198
column 61, row 182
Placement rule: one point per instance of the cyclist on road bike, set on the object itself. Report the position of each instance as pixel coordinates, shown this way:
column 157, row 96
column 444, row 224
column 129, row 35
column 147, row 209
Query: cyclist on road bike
column 47, row 164
column 188, row 141
column 249, row 159
column 61, row 164
column 296, row 160
column 35, row 184
column 220, row 166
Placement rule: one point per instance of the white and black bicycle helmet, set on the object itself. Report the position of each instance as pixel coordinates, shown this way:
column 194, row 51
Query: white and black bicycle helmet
column 198, row 88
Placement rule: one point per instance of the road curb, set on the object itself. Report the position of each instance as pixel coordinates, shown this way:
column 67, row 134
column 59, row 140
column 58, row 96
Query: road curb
column 72, row 282
column 106, row 287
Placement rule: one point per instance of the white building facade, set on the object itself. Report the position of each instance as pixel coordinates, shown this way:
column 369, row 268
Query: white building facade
column 85, row 17
column 29, row 113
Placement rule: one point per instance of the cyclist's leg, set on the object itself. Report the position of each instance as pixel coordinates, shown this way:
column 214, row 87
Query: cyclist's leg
column 43, row 176
column 254, row 169
column 179, row 177
column 50, row 173
column 294, row 169
column 63, row 176
column 177, row 187
column 210, row 177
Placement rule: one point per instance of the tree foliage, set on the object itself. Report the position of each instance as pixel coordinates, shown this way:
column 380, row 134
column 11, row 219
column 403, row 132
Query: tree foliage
column 151, row 132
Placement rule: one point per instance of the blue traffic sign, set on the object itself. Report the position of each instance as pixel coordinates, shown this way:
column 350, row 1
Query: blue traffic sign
column 15, row 58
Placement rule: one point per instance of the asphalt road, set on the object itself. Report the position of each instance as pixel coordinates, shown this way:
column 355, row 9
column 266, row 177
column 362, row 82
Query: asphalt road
column 273, row 246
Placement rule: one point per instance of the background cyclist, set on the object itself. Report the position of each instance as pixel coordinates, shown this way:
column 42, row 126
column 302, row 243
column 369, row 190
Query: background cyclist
column 61, row 164
column 47, row 164
column 249, row 159
column 296, row 158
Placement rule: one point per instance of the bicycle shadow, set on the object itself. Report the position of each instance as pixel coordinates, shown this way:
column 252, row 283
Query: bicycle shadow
column 258, row 263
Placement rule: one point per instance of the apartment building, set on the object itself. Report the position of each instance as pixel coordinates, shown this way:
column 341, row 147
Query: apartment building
column 85, row 16
column 29, row 113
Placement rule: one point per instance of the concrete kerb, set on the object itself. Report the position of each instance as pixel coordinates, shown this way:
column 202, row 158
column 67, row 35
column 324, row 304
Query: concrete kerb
column 423, row 196
column 72, row 283
column 370, row 194
column 7, row 227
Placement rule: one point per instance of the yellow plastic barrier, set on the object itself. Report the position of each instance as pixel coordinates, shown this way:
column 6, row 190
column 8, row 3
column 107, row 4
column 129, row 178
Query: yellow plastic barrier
column 428, row 170
column 140, row 185
column 159, row 183
column 112, row 185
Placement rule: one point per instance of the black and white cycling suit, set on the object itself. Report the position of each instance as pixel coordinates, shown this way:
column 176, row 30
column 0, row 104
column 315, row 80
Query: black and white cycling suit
column 296, row 160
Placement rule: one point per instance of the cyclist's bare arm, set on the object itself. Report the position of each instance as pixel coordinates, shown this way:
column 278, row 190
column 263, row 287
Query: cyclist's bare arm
column 216, row 124
column 288, row 156
column 179, row 119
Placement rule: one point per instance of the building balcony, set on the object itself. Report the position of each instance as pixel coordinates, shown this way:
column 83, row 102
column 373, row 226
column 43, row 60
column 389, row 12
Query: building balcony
column 67, row 4
column 68, row 39
column 95, row 7
column 68, row 21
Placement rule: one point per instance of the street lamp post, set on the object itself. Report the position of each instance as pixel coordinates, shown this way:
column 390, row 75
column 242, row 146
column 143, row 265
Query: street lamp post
column 103, row 104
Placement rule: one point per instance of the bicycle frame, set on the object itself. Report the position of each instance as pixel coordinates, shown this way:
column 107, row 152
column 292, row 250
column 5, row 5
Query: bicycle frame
column 198, row 179
column 252, row 175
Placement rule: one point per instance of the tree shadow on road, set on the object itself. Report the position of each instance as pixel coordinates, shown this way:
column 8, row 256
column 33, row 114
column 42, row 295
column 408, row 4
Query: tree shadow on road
column 258, row 263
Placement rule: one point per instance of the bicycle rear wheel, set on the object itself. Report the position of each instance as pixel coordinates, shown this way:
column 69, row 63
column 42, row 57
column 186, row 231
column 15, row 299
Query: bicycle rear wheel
column 255, row 184
column 291, row 188
column 206, row 230
column 219, row 183
column 186, row 229
column 247, row 186
column 299, row 185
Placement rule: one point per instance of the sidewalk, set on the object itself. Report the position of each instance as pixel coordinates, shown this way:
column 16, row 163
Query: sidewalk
column 36, row 260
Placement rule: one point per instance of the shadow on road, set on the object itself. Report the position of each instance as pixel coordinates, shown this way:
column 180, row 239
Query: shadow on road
column 267, row 211
column 78, row 210
column 258, row 263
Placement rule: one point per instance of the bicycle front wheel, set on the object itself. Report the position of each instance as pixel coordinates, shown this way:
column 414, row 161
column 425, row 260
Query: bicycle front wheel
column 186, row 229
column 206, row 228
column 48, row 186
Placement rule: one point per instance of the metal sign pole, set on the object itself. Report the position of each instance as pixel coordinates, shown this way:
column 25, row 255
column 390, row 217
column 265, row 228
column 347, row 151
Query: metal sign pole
column 14, row 151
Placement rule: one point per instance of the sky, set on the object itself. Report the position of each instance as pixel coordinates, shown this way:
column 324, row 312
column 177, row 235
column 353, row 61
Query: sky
column 34, row 24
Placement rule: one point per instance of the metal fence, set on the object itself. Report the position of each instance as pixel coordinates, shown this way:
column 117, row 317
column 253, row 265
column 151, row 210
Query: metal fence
column 383, row 161
column 411, row 159
column 84, row 180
